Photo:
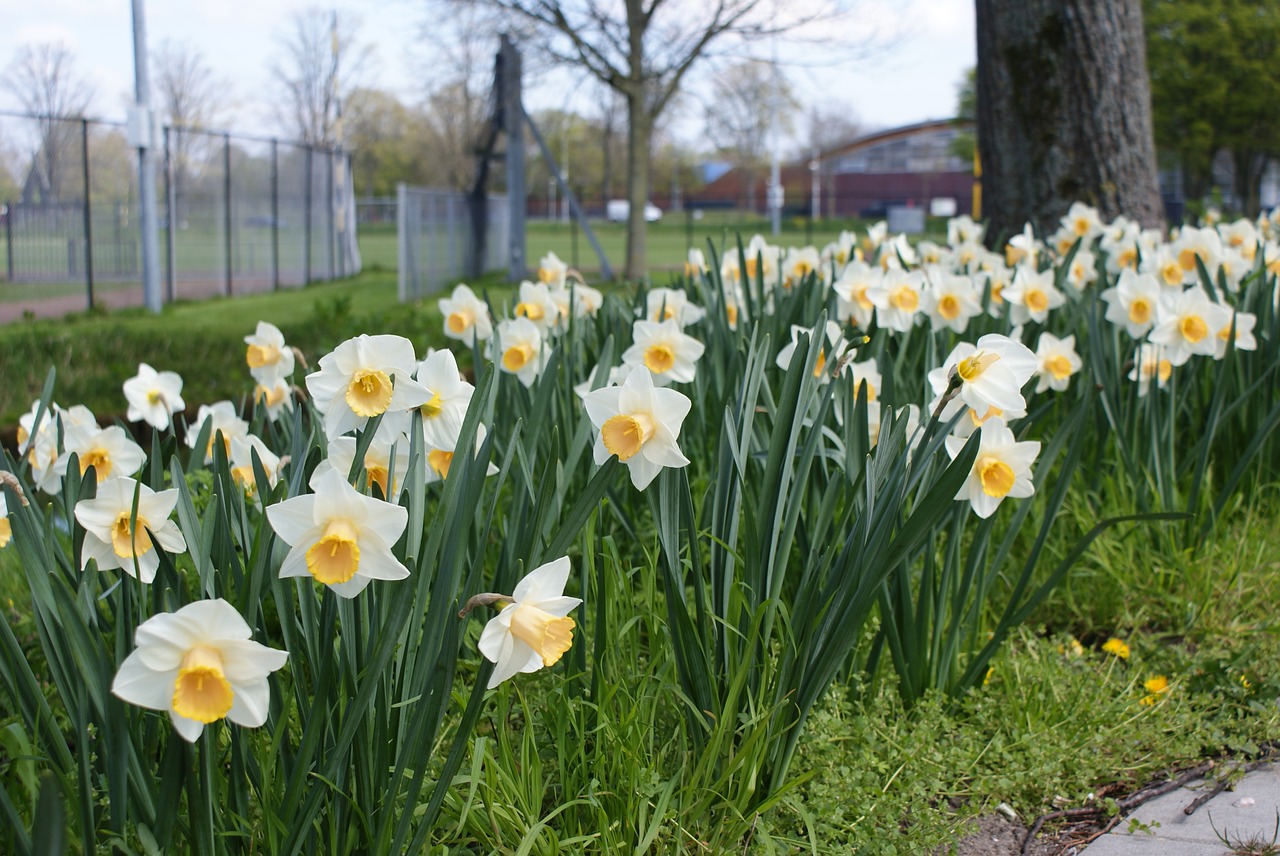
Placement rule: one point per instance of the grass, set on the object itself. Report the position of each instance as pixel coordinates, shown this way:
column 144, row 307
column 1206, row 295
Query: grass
column 206, row 336
column 204, row 341
column 1053, row 726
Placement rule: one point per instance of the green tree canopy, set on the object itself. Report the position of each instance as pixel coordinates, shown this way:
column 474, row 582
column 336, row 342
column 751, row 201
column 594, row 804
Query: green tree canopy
column 1215, row 84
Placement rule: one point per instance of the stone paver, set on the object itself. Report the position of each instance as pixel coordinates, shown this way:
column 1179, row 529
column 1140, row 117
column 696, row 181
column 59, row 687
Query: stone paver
column 1247, row 811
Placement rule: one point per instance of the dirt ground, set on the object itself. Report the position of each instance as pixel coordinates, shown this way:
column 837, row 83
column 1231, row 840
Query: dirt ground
column 996, row 835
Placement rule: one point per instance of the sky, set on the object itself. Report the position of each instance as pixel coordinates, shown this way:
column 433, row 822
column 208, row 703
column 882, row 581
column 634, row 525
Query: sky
column 913, row 80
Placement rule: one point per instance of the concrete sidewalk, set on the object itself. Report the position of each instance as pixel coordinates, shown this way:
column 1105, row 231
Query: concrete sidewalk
column 1161, row 827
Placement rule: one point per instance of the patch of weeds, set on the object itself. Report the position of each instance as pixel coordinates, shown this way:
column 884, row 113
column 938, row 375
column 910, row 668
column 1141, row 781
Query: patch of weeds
column 1254, row 844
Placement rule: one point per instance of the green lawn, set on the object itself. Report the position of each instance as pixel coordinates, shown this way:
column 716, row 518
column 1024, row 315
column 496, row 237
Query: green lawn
column 95, row 352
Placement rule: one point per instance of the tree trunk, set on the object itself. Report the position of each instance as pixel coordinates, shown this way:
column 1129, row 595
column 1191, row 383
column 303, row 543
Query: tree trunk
column 639, row 133
column 1249, row 166
column 1064, row 112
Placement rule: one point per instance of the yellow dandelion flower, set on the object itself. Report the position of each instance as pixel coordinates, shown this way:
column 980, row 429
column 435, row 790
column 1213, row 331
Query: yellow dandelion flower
column 1117, row 647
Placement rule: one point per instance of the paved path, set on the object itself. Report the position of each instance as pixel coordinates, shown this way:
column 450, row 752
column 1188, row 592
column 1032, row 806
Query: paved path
column 1247, row 812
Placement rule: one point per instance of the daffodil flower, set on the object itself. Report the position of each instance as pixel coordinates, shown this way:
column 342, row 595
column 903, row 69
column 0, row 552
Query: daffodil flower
column 950, row 301
column 1245, row 341
column 851, row 288
column 1022, row 249
column 663, row 303
column 153, row 397
column 552, row 271
column 829, row 352
column 576, row 299
column 270, row 360
column 241, row 459
column 990, row 374
column 533, row 629
column 276, row 398
column 898, row 299
column 199, row 665
column 116, row 538
column 443, row 413
column 1032, row 295
column 110, row 451
column 1002, row 468
column 338, row 535
column 535, row 304
column 518, row 349
column 466, row 317
column 221, row 416
column 665, row 350
column 1058, row 361
column 639, row 423
column 379, row 468
column 365, row 377
column 1188, row 325
column 1150, row 364
column 1203, row 244
column 1133, row 301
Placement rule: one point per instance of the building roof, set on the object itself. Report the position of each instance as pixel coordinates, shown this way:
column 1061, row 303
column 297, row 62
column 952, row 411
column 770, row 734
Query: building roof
column 890, row 134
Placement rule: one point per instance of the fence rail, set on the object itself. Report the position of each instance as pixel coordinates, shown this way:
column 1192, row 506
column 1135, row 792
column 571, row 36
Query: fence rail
column 434, row 238
column 238, row 214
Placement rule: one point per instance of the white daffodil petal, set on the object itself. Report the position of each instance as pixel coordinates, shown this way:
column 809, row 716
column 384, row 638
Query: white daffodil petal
column 251, row 703
column 188, row 729
column 138, row 683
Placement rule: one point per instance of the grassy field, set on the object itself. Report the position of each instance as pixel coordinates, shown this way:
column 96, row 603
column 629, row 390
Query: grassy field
column 99, row 348
column 204, row 341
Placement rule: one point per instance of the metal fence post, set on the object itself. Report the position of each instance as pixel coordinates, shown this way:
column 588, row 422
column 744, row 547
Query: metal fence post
column 402, row 242
column 306, row 223
column 452, row 236
column 226, row 194
column 8, row 238
column 88, row 212
column 328, row 183
column 170, row 219
column 275, row 214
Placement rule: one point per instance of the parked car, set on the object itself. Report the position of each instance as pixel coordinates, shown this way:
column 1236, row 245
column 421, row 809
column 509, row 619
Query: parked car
column 618, row 210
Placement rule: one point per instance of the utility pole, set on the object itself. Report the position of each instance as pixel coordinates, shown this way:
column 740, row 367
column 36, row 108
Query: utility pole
column 143, row 128
column 338, row 163
column 815, row 192
column 775, row 179
column 513, row 126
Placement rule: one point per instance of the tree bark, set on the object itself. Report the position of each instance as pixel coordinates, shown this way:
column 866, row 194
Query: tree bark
column 1249, row 166
column 639, row 135
column 1064, row 112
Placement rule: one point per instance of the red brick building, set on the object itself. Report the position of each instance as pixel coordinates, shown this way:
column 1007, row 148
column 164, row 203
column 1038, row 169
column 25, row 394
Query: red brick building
column 912, row 165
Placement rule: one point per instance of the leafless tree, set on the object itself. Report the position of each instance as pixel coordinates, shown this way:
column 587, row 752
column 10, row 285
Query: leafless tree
column 457, row 101
column 611, row 115
column 188, row 98
column 644, row 50
column 321, row 60
column 43, row 81
column 831, row 126
column 746, row 98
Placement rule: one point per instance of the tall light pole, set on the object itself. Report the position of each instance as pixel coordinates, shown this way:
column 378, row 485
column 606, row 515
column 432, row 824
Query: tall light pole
column 775, row 168
column 143, row 128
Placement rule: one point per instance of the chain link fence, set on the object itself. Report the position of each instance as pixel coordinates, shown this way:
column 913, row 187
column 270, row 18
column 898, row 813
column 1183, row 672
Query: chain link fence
column 237, row 214
column 435, row 242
